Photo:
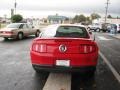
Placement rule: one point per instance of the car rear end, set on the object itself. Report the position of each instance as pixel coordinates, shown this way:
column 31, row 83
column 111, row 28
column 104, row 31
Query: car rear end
column 10, row 31
column 7, row 33
column 69, row 54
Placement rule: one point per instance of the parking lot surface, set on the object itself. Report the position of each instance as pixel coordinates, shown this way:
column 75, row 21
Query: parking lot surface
column 16, row 72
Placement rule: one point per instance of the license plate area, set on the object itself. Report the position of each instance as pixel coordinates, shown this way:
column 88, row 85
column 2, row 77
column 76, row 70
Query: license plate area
column 65, row 63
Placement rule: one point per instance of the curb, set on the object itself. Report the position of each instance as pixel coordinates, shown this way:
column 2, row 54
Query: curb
column 114, row 36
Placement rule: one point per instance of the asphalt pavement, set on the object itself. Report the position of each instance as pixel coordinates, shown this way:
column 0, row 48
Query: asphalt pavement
column 16, row 72
column 110, row 47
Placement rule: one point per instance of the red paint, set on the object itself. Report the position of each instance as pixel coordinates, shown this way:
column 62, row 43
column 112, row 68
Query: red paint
column 80, row 52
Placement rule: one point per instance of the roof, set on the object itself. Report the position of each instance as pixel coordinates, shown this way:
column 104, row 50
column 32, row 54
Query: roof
column 56, row 17
column 67, row 25
column 55, row 26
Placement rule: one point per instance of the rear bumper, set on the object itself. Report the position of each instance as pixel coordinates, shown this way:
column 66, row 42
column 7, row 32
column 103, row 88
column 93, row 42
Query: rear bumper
column 8, row 35
column 76, row 60
column 64, row 69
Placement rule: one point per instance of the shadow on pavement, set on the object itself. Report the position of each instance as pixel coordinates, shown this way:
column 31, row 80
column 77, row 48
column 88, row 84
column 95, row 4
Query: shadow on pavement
column 39, row 81
column 83, row 82
column 16, row 40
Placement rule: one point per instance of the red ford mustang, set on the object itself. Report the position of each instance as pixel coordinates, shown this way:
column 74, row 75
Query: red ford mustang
column 66, row 48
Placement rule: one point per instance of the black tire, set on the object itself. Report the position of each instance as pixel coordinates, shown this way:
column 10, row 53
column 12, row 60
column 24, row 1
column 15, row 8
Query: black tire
column 5, row 38
column 95, row 30
column 20, row 36
column 98, row 29
column 37, row 70
column 37, row 33
column 91, row 73
column 118, row 31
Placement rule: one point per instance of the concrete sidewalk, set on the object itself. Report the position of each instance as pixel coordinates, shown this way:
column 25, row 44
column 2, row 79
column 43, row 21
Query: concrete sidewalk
column 115, row 35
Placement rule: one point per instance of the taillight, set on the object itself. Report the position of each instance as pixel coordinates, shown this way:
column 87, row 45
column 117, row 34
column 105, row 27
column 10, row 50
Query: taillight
column 9, row 32
column 39, row 47
column 87, row 48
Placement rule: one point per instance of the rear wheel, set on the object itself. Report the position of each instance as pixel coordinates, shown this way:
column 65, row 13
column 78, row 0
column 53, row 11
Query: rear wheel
column 94, row 30
column 37, row 33
column 37, row 70
column 20, row 36
column 91, row 73
column 98, row 29
column 5, row 38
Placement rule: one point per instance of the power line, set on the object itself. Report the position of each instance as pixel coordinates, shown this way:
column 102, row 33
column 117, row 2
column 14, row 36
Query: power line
column 106, row 12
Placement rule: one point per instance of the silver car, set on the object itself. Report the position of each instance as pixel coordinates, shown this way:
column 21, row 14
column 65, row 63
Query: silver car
column 18, row 31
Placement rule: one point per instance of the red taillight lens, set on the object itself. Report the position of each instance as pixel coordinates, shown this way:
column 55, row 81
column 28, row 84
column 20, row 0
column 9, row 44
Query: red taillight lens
column 87, row 48
column 6, row 32
column 39, row 47
column 9, row 32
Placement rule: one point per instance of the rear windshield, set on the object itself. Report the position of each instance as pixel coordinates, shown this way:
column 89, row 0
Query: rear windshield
column 66, row 31
column 13, row 25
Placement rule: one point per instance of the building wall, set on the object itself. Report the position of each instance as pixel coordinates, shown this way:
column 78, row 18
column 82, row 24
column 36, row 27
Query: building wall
column 102, row 20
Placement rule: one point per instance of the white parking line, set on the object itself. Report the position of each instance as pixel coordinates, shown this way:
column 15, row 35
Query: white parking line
column 58, row 81
column 115, row 73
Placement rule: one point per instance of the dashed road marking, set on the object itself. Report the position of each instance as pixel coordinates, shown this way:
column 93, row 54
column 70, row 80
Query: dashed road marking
column 58, row 81
column 115, row 73
column 103, row 38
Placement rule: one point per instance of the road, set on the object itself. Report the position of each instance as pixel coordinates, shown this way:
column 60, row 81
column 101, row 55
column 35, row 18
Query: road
column 16, row 72
column 110, row 47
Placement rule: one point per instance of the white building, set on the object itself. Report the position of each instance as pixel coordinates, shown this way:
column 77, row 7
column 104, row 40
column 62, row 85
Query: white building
column 109, row 20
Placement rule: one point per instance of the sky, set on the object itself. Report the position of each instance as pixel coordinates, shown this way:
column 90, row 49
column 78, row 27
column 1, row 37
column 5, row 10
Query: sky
column 43, row 8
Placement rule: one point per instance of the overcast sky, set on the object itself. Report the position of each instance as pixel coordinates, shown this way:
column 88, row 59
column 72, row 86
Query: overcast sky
column 42, row 8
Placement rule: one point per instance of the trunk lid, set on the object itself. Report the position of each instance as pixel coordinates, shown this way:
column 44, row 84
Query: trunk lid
column 63, row 45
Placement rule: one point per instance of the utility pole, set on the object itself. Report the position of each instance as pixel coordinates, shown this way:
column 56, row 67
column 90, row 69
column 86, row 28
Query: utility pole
column 106, row 12
column 15, row 6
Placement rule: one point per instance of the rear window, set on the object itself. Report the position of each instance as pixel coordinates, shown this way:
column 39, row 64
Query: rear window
column 66, row 31
column 13, row 25
column 71, row 31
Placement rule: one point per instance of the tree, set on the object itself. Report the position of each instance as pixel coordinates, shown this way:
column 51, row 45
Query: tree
column 82, row 18
column 95, row 16
column 16, row 18
column 75, row 19
column 79, row 18
column 109, row 16
column 88, row 20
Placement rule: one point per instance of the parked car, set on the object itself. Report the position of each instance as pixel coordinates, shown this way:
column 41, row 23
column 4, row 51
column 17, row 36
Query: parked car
column 18, row 30
column 95, row 27
column 106, row 27
column 118, row 28
column 66, row 48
